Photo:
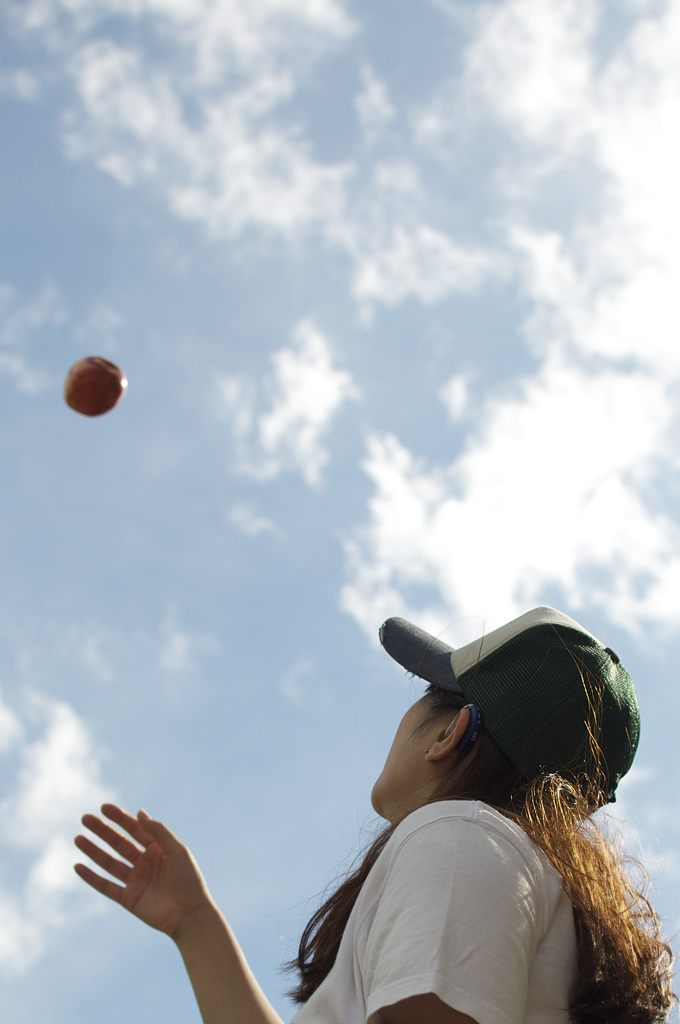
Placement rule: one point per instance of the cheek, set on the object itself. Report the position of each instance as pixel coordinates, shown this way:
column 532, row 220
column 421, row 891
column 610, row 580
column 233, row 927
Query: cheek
column 400, row 767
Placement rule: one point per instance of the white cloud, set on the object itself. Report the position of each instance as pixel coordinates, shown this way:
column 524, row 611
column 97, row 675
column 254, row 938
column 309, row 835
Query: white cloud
column 10, row 728
column 550, row 492
column 247, row 520
column 605, row 282
column 204, row 119
column 236, row 160
column 558, row 486
column 532, row 62
column 59, row 779
column 238, row 167
column 59, row 776
column 454, row 394
column 414, row 260
column 306, row 390
column 395, row 253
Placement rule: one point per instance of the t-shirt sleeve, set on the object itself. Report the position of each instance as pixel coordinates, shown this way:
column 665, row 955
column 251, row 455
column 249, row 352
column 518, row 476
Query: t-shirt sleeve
column 459, row 915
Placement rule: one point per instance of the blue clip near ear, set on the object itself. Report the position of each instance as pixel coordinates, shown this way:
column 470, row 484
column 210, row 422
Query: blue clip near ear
column 472, row 731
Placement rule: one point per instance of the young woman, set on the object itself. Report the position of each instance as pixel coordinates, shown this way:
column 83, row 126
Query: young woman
column 491, row 896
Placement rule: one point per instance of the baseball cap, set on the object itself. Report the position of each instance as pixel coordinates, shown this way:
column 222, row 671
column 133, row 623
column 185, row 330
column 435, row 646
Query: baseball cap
column 553, row 698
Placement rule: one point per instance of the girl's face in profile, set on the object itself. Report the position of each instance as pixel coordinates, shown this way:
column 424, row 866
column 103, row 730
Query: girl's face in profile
column 406, row 780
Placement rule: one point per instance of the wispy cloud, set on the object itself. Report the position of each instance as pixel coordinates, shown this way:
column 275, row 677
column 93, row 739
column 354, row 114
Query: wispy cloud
column 373, row 105
column 181, row 649
column 90, row 646
column 28, row 324
column 22, row 324
column 219, row 33
column 59, row 777
column 205, row 119
column 305, row 390
column 396, row 255
column 99, row 329
column 248, row 521
column 291, row 684
column 238, row 168
column 20, row 84
column 238, row 160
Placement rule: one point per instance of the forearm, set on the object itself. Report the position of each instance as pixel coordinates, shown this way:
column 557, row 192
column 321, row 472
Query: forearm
column 224, row 985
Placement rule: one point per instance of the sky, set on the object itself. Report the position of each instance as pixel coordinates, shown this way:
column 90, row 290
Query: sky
column 394, row 287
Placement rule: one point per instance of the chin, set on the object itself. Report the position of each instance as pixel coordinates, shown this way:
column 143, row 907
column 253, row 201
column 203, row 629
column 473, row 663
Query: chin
column 378, row 806
column 375, row 800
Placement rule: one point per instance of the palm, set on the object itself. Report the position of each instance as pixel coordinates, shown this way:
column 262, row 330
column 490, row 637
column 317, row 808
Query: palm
column 148, row 892
column 161, row 881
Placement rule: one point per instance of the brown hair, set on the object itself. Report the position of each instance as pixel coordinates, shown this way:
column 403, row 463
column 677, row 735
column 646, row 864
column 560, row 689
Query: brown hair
column 624, row 967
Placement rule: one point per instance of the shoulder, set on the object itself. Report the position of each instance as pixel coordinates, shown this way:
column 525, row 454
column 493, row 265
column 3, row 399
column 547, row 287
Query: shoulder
column 468, row 839
column 466, row 821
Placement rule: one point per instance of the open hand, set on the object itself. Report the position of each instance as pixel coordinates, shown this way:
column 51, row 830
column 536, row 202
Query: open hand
column 162, row 884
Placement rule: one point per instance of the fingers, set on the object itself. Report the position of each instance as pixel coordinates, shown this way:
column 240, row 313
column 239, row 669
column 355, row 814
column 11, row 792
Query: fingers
column 102, row 885
column 103, row 859
column 126, row 821
column 118, row 842
column 144, row 829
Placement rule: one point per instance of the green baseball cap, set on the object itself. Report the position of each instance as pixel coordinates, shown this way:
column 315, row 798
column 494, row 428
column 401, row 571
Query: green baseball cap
column 553, row 698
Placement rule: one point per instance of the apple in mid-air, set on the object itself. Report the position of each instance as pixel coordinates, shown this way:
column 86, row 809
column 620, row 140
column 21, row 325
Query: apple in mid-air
column 94, row 385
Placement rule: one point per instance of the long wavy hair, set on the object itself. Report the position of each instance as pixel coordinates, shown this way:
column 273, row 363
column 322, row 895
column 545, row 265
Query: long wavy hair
column 624, row 967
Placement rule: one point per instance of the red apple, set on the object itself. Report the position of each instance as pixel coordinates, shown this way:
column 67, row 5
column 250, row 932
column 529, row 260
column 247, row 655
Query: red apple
column 94, row 385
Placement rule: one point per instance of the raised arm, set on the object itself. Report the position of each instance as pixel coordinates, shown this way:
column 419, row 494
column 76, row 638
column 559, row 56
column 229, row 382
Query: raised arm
column 163, row 886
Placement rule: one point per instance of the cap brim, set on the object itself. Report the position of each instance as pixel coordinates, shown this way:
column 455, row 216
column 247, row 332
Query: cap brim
column 420, row 653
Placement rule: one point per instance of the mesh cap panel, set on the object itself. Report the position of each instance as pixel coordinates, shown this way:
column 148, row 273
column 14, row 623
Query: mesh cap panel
column 545, row 691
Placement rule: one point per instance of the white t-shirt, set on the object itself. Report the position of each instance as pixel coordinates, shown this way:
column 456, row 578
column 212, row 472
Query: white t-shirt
column 463, row 904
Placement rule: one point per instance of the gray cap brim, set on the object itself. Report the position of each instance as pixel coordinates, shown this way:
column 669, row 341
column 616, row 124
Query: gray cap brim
column 420, row 653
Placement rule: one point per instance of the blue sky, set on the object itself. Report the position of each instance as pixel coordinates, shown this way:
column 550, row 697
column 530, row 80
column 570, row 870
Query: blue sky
column 394, row 286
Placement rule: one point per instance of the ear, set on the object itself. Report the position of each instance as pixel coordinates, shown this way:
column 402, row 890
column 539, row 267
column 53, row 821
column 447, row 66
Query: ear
column 448, row 738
